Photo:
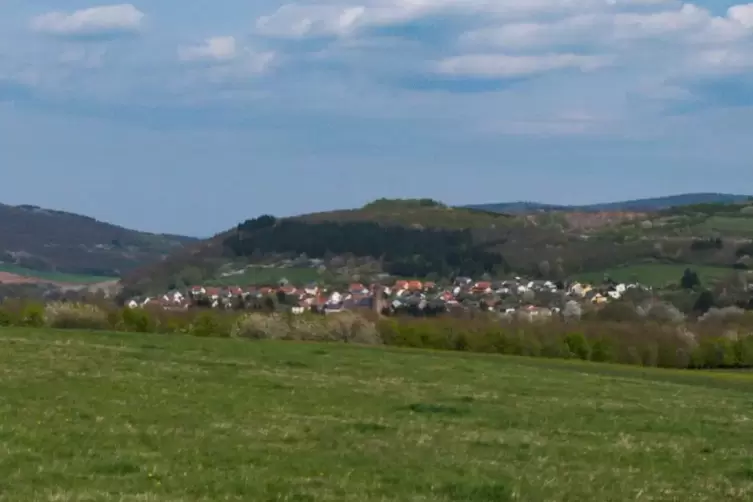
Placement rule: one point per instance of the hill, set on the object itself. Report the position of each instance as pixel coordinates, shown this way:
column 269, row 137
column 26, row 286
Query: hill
column 423, row 238
column 403, row 237
column 115, row 417
column 650, row 204
column 51, row 241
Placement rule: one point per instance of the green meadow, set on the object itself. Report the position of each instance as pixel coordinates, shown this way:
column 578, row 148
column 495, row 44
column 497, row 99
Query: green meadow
column 657, row 274
column 131, row 417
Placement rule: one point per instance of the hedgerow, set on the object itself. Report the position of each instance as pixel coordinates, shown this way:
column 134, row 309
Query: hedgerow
column 716, row 341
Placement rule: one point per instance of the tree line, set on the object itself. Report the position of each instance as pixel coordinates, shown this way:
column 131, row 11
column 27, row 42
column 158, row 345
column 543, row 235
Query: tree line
column 403, row 251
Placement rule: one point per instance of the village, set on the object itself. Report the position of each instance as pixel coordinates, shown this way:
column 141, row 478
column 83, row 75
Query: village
column 516, row 296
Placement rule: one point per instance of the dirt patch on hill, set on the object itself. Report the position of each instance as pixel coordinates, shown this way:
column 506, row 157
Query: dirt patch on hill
column 111, row 286
column 591, row 221
column 8, row 278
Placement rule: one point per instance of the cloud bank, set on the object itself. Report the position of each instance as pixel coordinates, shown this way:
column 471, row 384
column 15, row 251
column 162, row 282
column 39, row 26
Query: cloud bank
column 482, row 61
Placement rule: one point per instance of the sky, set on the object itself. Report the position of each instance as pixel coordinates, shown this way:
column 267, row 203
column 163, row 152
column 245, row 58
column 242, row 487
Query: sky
column 189, row 117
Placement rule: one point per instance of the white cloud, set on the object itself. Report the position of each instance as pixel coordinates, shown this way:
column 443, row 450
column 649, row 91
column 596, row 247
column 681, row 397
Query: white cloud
column 213, row 49
column 688, row 24
column 341, row 19
column 94, row 21
column 729, row 61
column 230, row 61
column 506, row 66
column 639, row 55
column 743, row 14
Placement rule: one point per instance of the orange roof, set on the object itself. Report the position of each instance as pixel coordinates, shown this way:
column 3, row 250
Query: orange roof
column 414, row 285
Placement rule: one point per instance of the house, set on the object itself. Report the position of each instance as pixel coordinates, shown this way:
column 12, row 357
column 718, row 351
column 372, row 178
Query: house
column 357, row 288
column 482, row 287
column 415, row 286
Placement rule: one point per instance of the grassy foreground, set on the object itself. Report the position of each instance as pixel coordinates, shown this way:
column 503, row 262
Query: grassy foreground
column 87, row 416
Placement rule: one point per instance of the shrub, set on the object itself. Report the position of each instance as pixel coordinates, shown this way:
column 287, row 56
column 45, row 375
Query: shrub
column 6, row 318
column 744, row 351
column 210, row 324
column 351, row 328
column 602, row 351
column 722, row 314
column 75, row 315
column 578, row 345
column 715, row 352
column 257, row 326
column 137, row 320
column 32, row 315
column 308, row 327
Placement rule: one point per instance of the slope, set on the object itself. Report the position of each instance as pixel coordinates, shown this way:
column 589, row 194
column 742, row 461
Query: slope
column 57, row 241
column 149, row 417
column 423, row 238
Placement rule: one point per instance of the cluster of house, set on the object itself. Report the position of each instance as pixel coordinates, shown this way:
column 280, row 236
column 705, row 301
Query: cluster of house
column 507, row 297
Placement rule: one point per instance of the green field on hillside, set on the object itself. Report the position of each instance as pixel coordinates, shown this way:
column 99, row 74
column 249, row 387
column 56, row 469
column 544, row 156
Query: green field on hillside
column 729, row 225
column 657, row 274
column 260, row 276
column 54, row 276
column 131, row 417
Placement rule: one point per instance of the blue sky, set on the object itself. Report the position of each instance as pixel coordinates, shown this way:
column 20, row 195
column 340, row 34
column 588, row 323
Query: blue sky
column 188, row 117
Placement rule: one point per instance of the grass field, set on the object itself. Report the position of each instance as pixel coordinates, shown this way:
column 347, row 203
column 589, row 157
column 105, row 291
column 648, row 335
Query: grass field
column 156, row 418
column 726, row 225
column 54, row 276
column 267, row 276
column 657, row 274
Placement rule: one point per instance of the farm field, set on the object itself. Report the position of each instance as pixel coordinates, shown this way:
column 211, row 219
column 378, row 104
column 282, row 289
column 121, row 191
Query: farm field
column 256, row 276
column 657, row 274
column 57, row 277
column 128, row 417
column 725, row 225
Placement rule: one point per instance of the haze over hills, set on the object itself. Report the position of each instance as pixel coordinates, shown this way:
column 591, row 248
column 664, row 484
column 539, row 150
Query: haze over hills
column 647, row 204
column 57, row 241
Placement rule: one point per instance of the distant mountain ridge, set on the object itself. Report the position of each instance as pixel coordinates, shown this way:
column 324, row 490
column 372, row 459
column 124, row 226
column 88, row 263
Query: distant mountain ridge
column 638, row 205
column 59, row 241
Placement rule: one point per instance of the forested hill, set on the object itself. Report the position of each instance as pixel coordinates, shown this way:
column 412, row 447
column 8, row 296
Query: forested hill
column 50, row 240
column 420, row 238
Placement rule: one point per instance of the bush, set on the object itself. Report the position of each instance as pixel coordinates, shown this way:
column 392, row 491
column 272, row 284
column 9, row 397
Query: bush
column 6, row 318
column 602, row 351
column 744, row 351
column 75, row 316
column 578, row 346
column 210, row 324
column 32, row 315
column 137, row 320
column 715, row 352
column 257, row 326
column 351, row 328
